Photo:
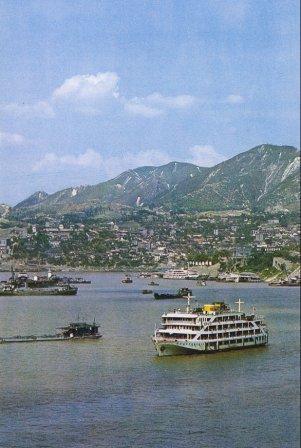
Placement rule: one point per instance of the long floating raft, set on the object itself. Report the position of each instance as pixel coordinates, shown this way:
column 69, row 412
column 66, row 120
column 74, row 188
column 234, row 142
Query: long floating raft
column 74, row 331
column 10, row 291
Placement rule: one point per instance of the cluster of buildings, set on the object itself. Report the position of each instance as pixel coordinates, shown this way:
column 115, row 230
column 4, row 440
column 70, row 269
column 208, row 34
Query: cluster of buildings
column 149, row 239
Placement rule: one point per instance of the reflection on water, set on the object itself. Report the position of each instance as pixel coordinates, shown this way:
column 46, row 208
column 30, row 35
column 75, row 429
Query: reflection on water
column 116, row 392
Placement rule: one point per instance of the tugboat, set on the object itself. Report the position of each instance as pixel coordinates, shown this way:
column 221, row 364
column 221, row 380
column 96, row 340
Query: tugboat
column 73, row 331
column 210, row 328
column 180, row 294
column 127, row 279
column 10, row 290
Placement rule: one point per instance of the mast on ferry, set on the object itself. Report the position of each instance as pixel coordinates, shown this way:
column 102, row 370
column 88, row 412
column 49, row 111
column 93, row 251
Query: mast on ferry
column 239, row 303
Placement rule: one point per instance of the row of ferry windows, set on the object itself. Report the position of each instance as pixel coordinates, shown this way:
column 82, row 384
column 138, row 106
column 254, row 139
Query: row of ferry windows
column 207, row 319
column 214, row 326
column 223, row 327
column 216, row 330
column 226, row 318
column 226, row 335
column 206, row 337
column 240, row 341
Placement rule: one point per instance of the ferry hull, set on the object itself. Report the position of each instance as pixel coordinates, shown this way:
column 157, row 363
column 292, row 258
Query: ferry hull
column 173, row 348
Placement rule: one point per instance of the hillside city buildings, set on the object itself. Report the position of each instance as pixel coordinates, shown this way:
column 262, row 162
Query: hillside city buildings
column 154, row 239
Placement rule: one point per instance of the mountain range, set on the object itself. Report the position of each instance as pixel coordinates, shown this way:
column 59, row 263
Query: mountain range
column 266, row 177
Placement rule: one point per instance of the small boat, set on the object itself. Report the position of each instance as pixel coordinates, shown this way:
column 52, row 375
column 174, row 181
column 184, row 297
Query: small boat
column 74, row 331
column 201, row 283
column 182, row 293
column 147, row 291
column 10, row 290
column 153, row 284
column 286, row 283
column 127, row 279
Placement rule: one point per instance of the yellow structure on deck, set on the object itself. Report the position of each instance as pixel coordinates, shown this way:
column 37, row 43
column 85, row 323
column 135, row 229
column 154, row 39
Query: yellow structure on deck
column 211, row 307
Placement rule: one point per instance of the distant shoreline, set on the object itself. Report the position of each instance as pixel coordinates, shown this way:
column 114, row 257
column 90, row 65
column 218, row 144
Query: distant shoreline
column 73, row 269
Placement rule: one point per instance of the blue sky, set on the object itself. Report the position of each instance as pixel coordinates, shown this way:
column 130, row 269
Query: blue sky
column 92, row 88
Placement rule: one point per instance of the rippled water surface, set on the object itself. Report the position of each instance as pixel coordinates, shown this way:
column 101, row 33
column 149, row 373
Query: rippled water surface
column 116, row 392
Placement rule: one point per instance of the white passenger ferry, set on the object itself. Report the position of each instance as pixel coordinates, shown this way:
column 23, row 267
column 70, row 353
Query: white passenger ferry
column 209, row 328
column 181, row 274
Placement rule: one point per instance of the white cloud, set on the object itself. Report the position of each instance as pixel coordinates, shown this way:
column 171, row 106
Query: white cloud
column 88, row 159
column 88, row 88
column 94, row 94
column 8, row 139
column 135, row 106
column 204, row 155
column 39, row 109
column 235, row 99
column 90, row 93
column 157, row 104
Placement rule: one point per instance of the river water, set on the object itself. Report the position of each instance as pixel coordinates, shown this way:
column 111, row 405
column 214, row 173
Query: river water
column 116, row 392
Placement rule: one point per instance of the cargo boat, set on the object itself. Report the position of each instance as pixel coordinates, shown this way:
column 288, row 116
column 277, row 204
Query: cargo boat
column 182, row 293
column 11, row 291
column 73, row 331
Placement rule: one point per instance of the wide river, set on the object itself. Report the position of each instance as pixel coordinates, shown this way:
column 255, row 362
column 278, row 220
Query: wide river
column 116, row 392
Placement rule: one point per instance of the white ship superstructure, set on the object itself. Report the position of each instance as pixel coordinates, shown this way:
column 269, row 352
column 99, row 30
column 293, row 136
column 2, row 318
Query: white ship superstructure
column 181, row 274
column 209, row 328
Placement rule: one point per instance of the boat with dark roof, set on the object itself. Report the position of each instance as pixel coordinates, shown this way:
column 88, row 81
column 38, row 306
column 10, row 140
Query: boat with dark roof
column 182, row 293
column 127, row 279
column 75, row 331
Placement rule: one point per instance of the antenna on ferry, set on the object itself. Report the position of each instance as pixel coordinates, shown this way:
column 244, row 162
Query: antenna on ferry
column 239, row 303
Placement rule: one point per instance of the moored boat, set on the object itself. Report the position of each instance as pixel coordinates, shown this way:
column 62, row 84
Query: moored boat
column 10, row 290
column 201, row 283
column 181, row 274
column 180, row 294
column 127, row 279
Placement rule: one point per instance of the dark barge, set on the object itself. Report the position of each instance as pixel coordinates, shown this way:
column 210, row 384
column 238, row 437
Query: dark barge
column 11, row 291
column 182, row 293
column 75, row 331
